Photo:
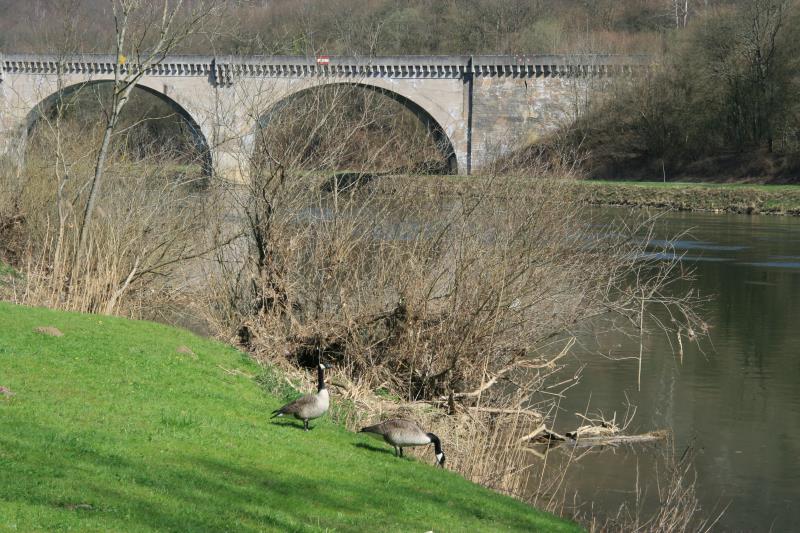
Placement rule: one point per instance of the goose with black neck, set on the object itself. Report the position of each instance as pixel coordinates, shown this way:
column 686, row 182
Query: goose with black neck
column 310, row 406
column 402, row 433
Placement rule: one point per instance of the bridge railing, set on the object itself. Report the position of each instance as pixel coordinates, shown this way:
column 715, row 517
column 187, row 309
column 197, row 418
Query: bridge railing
column 223, row 70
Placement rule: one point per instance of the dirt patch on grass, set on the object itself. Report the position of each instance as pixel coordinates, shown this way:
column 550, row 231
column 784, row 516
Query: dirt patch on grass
column 185, row 350
column 49, row 330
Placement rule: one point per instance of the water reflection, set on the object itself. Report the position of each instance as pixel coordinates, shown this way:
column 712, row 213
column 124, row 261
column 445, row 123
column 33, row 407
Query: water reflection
column 680, row 244
column 735, row 397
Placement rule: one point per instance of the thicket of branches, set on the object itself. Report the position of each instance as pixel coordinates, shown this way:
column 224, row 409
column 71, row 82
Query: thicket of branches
column 723, row 103
column 387, row 27
column 364, row 131
column 93, row 227
column 459, row 301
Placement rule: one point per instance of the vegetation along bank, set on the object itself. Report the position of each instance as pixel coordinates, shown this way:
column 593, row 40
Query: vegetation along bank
column 722, row 198
column 675, row 196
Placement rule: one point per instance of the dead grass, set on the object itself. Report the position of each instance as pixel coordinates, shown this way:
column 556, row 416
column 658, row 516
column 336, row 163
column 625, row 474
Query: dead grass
column 678, row 508
column 149, row 222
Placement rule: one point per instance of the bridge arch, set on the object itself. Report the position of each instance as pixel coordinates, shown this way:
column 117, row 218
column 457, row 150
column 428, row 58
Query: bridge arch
column 199, row 139
column 425, row 113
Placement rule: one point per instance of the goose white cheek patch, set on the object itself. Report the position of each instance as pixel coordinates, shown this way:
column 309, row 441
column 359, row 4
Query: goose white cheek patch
column 439, row 457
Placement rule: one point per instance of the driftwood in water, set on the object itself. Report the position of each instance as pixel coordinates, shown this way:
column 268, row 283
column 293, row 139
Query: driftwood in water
column 579, row 439
column 616, row 440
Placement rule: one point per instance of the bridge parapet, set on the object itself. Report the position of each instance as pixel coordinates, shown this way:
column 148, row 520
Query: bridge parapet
column 230, row 68
column 536, row 66
column 224, row 70
column 101, row 65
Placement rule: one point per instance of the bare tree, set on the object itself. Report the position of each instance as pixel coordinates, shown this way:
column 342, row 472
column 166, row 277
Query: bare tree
column 93, row 243
column 763, row 24
column 145, row 35
column 681, row 10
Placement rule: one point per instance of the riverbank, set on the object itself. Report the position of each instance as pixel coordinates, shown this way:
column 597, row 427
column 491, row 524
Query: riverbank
column 679, row 196
column 674, row 196
column 114, row 424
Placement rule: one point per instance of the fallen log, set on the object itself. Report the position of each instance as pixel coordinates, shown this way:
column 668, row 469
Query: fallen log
column 553, row 439
column 616, row 440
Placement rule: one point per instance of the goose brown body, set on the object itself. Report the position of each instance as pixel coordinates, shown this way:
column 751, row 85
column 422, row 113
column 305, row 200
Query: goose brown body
column 401, row 433
column 310, row 406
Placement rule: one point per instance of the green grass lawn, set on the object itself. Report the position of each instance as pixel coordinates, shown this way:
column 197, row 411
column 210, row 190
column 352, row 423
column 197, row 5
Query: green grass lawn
column 111, row 429
column 743, row 198
column 725, row 197
column 695, row 184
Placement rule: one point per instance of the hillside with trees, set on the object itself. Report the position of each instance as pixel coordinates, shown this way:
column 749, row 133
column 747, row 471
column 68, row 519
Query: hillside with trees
column 384, row 27
column 721, row 104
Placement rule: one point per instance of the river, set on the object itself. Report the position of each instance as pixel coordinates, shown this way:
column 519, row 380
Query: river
column 734, row 398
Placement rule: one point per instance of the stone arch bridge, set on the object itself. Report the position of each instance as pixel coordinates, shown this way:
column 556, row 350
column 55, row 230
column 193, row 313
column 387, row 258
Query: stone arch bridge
column 478, row 106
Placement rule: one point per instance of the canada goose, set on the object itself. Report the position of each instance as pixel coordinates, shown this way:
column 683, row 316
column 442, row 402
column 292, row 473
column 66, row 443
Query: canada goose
column 309, row 406
column 399, row 433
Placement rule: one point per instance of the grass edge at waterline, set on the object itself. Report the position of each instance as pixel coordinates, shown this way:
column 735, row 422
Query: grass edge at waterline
column 737, row 198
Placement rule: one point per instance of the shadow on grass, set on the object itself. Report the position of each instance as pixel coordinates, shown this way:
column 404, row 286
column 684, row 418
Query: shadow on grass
column 290, row 423
column 370, row 447
column 204, row 494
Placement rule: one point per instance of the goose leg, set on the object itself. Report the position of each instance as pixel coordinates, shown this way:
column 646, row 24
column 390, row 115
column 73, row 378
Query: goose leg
column 396, row 453
column 401, row 451
column 305, row 424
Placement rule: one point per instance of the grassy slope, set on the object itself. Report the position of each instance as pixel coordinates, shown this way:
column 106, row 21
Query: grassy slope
column 112, row 429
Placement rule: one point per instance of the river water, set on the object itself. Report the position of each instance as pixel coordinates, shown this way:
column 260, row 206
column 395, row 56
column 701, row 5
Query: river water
column 734, row 398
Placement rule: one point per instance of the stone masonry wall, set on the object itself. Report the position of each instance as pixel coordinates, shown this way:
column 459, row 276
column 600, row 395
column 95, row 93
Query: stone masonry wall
column 508, row 112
